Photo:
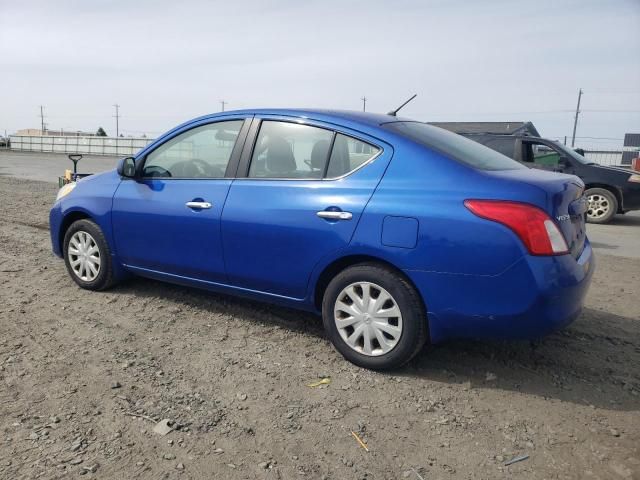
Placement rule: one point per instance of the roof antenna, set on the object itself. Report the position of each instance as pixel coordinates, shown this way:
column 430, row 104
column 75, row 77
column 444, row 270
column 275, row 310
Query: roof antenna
column 394, row 112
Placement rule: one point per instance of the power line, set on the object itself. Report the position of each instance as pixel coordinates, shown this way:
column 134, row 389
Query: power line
column 117, row 115
column 603, row 138
column 612, row 111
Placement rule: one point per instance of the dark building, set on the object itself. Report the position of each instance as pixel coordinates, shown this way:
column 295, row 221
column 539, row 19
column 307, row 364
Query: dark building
column 500, row 128
column 631, row 148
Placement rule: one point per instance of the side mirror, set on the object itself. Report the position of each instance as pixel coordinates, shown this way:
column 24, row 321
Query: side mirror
column 563, row 165
column 127, row 167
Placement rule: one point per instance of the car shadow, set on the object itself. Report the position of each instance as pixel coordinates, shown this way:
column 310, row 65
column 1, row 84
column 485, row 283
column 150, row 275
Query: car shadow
column 629, row 219
column 221, row 304
column 591, row 363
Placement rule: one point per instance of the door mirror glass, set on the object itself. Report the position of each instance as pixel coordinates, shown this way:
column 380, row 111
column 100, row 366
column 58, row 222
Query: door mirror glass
column 127, row 167
column 563, row 162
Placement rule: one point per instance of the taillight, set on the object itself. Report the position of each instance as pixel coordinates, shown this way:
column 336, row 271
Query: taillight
column 534, row 227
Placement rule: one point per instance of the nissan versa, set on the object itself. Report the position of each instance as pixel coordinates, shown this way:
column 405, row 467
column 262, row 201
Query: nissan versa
column 398, row 232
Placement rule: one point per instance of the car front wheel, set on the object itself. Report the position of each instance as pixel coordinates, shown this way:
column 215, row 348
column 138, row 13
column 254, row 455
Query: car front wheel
column 87, row 256
column 374, row 317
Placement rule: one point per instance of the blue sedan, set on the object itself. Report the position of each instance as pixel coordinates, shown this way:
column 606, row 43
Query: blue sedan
column 397, row 232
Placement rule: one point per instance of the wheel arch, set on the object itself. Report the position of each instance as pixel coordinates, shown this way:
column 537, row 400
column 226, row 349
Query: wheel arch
column 340, row 264
column 615, row 190
column 68, row 220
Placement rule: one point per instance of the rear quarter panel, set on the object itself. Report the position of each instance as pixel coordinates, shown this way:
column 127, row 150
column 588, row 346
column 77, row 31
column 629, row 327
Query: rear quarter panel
column 454, row 248
column 426, row 186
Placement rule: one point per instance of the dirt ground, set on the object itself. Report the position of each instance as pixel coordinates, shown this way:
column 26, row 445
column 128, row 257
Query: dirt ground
column 84, row 376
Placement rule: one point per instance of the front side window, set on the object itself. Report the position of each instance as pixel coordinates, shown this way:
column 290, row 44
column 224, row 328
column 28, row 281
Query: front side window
column 202, row 152
column 541, row 154
column 290, row 150
column 349, row 154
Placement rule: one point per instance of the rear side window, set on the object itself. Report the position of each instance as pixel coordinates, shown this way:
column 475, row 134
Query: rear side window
column 454, row 146
column 290, row 150
column 286, row 150
column 349, row 154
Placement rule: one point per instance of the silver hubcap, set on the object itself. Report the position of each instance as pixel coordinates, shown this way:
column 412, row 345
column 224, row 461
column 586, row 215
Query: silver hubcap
column 84, row 256
column 599, row 206
column 368, row 318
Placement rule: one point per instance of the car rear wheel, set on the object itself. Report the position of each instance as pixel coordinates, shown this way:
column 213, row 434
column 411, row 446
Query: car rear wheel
column 87, row 256
column 602, row 205
column 374, row 317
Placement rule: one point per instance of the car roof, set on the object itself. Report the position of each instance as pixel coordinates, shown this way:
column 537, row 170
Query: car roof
column 365, row 122
column 333, row 116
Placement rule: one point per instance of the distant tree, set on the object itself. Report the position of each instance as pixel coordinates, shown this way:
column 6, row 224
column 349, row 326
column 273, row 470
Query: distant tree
column 101, row 132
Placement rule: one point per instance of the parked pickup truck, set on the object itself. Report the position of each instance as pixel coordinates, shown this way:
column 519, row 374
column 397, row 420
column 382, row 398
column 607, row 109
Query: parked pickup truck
column 609, row 190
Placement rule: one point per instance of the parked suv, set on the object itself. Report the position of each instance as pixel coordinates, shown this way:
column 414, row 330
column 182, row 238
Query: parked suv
column 609, row 190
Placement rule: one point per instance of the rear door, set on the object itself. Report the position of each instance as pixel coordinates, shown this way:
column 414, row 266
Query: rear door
column 168, row 220
column 301, row 192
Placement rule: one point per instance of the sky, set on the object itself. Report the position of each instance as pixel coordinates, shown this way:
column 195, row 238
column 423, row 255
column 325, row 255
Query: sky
column 165, row 61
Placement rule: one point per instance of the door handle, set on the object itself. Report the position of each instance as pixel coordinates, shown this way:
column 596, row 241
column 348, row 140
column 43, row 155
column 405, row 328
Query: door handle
column 199, row 205
column 329, row 215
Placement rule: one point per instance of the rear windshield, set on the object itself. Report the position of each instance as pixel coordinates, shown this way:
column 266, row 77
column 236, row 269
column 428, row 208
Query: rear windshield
column 455, row 146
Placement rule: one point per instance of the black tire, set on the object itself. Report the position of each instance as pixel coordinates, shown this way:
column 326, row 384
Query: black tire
column 104, row 279
column 414, row 321
column 606, row 198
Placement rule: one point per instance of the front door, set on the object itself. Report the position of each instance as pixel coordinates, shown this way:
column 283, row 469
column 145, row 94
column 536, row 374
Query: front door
column 304, row 191
column 168, row 220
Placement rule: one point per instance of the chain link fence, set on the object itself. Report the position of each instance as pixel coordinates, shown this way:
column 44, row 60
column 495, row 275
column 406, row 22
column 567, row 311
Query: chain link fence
column 113, row 146
column 610, row 158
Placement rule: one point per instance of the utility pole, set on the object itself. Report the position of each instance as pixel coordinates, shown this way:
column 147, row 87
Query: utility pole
column 41, row 120
column 117, row 115
column 364, row 103
column 575, row 122
column 223, row 103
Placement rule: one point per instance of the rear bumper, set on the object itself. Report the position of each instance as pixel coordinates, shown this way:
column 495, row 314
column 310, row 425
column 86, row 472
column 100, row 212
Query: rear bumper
column 631, row 197
column 531, row 298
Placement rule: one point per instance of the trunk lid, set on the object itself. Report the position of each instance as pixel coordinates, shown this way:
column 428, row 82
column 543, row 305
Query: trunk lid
column 565, row 202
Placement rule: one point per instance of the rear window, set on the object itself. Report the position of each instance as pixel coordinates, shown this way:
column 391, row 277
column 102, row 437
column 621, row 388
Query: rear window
column 454, row 145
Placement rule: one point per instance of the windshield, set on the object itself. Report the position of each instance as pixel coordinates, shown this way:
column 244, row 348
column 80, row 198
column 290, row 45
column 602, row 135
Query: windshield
column 454, row 146
column 572, row 153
